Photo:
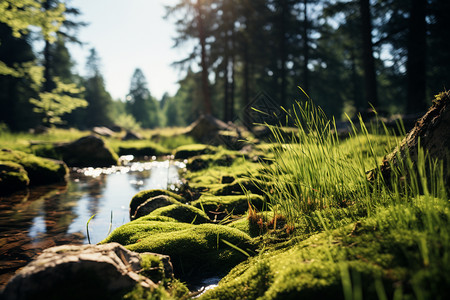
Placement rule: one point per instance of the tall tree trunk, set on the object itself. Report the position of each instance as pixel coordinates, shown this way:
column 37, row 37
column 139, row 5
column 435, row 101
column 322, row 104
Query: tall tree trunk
column 226, row 100
column 305, row 83
column 283, row 52
column 232, row 88
column 48, row 83
column 370, row 79
column 246, row 85
column 416, row 64
column 204, row 64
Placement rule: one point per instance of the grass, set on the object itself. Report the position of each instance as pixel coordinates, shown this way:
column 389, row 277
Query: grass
column 370, row 234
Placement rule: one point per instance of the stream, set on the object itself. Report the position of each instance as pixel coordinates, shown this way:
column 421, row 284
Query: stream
column 52, row 215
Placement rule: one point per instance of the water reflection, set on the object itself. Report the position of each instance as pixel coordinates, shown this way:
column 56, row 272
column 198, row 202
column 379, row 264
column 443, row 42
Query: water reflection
column 54, row 215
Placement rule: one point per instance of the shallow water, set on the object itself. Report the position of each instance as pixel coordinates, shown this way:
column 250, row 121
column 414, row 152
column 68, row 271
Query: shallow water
column 52, row 215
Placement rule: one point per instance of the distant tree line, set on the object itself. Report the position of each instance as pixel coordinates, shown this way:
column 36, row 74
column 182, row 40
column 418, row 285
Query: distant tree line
column 41, row 88
column 346, row 54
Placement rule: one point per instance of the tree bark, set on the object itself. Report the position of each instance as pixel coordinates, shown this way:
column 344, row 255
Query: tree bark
column 416, row 64
column 305, row 84
column 432, row 133
column 283, row 52
column 370, row 79
column 204, row 64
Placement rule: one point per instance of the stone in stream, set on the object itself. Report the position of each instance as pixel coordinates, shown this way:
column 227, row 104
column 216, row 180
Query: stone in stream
column 13, row 177
column 88, row 151
column 84, row 272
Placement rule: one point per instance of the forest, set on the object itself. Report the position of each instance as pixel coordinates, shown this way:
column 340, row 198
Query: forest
column 279, row 169
column 348, row 56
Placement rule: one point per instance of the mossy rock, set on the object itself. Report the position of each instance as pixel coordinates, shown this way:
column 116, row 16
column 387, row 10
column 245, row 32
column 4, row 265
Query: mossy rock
column 152, row 204
column 13, row 177
column 187, row 151
column 142, row 149
column 231, row 204
column 143, row 196
column 195, row 250
column 241, row 186
column 182, row 213
column 201, row 162
column 40, row 170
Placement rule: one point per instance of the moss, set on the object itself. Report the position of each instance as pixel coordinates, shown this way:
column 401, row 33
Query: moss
column 40, row 170
column 229, row 204
column 221, row 158
column 143, row 196
column 197, row 249
column 187, row 151
column 13, row 177
column 241, row 186
column 141, row 148
column 360, row 256
column 244, row 224
column 152, row 267
column 170, row 290
column 182, row 213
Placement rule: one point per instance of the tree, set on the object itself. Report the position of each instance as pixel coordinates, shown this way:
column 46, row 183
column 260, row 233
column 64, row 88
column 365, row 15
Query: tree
column 100, row 102
column 20, row 16
column 416, row 64
column 50, row 101
column 370, row 79
column 15, row 91
column 140, row 103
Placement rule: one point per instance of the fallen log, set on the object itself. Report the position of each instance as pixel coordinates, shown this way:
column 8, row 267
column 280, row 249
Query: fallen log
column 430, row 133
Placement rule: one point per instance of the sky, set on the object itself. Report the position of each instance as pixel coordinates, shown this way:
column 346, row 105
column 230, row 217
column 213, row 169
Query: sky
column 129, row 34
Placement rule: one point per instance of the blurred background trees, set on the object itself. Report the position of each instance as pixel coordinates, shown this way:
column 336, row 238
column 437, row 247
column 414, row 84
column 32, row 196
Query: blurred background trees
column 346, row 54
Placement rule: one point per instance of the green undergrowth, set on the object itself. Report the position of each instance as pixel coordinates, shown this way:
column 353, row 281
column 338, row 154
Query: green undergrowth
column 223, row 179
column 236, row 205
column 187, row 151
column 348, row 237
column 393, row 254
column 22, row 141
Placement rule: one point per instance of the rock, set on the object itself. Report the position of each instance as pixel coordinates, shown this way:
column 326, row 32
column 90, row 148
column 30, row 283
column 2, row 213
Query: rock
column 195, row 250
column 229, row 204
column 182, row 213
column 143, row 196
column 39, row 130
column 88, row 151
column 81, row 272
column 151, row 204
column 103, row 131
column 206, row 127
column 130, row 135
column 187, row 151
column 13, row 177
column 143, row 149
column 40, row 170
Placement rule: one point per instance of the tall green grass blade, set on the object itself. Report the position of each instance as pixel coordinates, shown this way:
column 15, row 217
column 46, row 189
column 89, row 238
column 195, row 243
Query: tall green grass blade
column 87, row 227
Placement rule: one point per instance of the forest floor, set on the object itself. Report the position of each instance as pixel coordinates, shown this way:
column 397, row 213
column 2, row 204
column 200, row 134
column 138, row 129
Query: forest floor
column 285, row 219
